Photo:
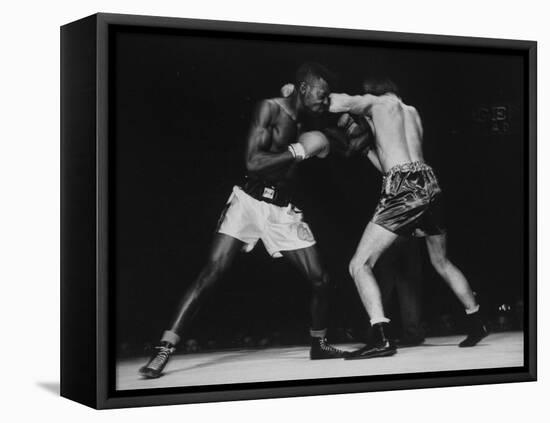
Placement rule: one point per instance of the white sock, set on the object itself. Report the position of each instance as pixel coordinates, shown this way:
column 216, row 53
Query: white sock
column 472, row 310
column 320, row 333
column 170, row 337
column 379, row 320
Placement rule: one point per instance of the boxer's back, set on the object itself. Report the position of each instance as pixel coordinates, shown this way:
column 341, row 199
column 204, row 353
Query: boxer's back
column 388, row 116
column 413, row 133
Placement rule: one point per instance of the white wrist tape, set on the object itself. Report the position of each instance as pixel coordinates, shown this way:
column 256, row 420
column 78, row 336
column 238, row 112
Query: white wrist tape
column 297, row 151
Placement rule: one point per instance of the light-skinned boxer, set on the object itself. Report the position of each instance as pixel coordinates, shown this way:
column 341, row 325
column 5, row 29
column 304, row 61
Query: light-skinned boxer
column 380, row 126
column 408, row 206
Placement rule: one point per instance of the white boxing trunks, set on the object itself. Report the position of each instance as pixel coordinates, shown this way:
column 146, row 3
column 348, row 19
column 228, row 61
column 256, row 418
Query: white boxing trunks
column 279, row 228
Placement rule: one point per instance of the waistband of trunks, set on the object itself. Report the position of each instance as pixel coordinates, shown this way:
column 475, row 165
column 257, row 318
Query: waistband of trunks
column 408, row 167
column 263, row 191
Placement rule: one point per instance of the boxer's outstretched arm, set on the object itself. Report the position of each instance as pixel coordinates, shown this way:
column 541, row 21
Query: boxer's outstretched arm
column 356, row 104
column 258, row 157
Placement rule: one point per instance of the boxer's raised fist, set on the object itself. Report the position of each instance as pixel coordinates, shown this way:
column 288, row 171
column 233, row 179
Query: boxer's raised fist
column 339, row 103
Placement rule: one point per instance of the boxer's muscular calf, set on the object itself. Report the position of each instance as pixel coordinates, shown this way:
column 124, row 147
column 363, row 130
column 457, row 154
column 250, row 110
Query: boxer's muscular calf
column 307, row 261
column 223, row 251
column 374, row 242
column 437, row 250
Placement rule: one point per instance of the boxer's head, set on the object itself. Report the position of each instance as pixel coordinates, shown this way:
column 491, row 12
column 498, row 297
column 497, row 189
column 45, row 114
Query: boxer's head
column 379, row 86
column 313, row 87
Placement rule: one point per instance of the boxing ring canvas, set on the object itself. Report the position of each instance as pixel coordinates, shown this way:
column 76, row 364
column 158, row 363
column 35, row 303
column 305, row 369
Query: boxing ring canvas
column 157, row 118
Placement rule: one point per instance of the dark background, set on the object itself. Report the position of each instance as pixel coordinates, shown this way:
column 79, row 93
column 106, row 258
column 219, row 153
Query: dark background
column 182, row 105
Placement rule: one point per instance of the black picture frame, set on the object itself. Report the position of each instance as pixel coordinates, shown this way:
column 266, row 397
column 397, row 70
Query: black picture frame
column 86, row 347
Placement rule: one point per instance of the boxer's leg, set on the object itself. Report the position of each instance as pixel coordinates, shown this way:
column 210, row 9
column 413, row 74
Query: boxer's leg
column 437, row 249
column 223, row 251
column 308, row 262
column 386, row 273
column 374, row 242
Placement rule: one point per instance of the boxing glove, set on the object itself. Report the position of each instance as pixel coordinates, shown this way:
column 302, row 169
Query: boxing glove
column 287, row 90
column 339, row 103
column 315, row 144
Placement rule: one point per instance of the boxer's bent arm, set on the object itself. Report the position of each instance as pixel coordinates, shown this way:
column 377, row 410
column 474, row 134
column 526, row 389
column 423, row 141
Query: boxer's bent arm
column 258, row 157
column 347, row 142
column 339, row 143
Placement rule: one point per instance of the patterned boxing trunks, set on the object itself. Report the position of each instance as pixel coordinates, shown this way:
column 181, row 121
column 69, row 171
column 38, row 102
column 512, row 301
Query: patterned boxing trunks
column 410, row 201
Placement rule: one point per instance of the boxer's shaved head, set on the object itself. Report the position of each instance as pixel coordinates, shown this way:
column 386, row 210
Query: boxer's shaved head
column 313, row 86
column 380, row 86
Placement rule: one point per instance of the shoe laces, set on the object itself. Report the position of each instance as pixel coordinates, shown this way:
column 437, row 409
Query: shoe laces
column 325, row 346
column 161, row 357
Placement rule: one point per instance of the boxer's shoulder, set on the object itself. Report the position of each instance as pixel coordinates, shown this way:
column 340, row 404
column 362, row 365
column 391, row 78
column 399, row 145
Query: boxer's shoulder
column 281, row 108
column 389, row 100
column 266, row 111
column 410, row 109
column 270, row 106
column 411, row 114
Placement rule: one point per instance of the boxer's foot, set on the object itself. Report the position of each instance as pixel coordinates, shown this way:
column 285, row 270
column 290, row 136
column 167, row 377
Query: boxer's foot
column 380, row 346
column 475, row 330
column 153, row 369
column 322, row 350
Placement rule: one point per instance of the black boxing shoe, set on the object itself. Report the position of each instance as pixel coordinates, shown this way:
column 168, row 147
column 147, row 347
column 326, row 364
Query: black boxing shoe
column 476, row 330
column 322, row 350
column 380, row 345
column 153, row 369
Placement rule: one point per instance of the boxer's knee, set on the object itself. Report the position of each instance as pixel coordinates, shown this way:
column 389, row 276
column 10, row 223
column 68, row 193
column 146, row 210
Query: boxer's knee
column 357, row 266
column 354, row 268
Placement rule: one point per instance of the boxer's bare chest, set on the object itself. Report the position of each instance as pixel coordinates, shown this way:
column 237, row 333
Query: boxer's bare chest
column 284, row 131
